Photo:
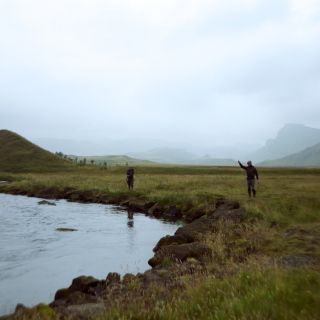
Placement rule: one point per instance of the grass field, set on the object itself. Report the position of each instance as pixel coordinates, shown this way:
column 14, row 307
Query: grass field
column 286, row 215
column 286, row 196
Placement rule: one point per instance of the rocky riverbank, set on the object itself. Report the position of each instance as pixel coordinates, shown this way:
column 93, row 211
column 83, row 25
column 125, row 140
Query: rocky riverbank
column 186, row 253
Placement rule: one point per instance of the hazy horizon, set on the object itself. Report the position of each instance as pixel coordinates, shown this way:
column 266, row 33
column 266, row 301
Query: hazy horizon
column 192, row 74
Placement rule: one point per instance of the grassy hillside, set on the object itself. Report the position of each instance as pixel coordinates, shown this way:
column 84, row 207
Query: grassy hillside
column 20, row 155
column 309, row 157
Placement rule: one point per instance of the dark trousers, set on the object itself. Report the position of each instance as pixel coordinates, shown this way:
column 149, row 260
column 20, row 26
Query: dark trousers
column 130, row 182
column 251, row 187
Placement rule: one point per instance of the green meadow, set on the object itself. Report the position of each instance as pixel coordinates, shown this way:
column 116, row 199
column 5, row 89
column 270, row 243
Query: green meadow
column 283, row 224
column 284, row 196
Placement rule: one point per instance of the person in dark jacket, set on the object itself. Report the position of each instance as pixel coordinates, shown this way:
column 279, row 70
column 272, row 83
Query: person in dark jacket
column 130, row 178
column 252, row 173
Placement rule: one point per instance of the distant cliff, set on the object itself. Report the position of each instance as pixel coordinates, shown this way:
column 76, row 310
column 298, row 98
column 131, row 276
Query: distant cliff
column 310, row 157
column 292, row 138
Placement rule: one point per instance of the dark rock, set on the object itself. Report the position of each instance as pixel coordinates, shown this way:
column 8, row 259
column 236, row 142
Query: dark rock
column 95, row 288
column 66, row 229
column 196, row 229
column 186, row 234
column 21, row 312
column 113, row 278
column 167, row 240
column 82, row 282
column 62, row 294
column 75, row 297
column 20, row 307
column 46, row 202
column 173, row 213
column 78, row 297
column 194, row 214
column 151, row 276
column 180, row 252
column 155, row 210
column 78, row 284
column 139, row 275
column 128, row 278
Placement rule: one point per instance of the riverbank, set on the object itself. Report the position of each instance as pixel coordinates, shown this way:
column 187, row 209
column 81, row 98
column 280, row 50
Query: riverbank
column 240, row 259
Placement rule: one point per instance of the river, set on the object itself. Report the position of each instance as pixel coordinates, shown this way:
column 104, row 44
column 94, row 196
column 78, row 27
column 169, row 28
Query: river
column 36, row 259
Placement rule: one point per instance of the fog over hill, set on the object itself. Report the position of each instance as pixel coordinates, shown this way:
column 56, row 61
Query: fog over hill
column 292, row 138
column 181, row 156
column 309, row 157
column 150, row 149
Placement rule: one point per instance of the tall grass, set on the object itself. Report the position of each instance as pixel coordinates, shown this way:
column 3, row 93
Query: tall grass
column 252, row 293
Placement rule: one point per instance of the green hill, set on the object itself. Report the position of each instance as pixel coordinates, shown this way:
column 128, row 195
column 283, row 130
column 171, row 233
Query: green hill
column 20, row 155
column 309, row 157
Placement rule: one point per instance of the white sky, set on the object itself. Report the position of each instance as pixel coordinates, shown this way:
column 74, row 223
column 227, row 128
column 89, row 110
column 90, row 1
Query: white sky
column 205, row 71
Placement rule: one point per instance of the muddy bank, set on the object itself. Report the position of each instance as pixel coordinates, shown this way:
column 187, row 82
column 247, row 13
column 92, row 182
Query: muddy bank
column 126, row 201
column 183, row 254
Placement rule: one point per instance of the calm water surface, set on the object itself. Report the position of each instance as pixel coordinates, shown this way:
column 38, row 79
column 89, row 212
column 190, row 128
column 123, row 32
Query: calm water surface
column 36, row 260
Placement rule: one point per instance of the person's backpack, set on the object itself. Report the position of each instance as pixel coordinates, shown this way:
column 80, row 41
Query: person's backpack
column 130, row 173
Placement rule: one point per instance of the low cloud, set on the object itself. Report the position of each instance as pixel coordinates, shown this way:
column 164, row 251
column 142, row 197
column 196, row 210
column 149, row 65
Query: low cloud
column 217, row 71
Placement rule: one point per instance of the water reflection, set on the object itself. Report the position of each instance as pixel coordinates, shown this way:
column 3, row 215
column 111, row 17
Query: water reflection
column 130, row 214
column 34, row 255
column 130, row 222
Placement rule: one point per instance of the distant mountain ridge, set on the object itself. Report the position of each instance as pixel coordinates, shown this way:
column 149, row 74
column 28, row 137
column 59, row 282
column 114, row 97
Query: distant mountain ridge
column 309, row 157
column 292, row 138
column 181, row 156
column 165, row 155
column 17, row 154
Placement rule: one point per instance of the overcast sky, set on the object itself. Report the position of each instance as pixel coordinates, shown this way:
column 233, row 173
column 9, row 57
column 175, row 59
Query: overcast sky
column 205, row 71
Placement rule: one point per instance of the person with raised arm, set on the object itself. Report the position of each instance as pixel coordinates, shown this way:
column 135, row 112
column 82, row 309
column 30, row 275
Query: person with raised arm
column 252, row 173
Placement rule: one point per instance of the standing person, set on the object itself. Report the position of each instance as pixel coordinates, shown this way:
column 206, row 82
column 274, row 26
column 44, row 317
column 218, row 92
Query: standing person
column 130, row 178
column 252, row 173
